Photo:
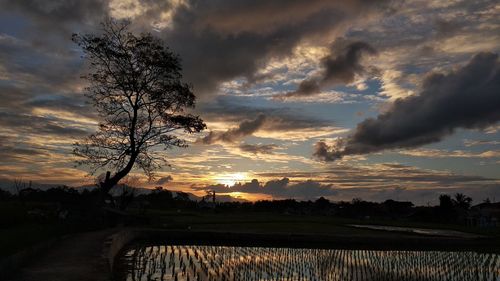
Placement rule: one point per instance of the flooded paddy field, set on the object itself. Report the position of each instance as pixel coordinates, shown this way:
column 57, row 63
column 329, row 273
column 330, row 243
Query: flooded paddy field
column 205, row 263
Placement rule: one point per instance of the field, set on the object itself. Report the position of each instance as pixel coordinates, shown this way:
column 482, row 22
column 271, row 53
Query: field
column 182, row 262
column 262, row 222
column 19, row 232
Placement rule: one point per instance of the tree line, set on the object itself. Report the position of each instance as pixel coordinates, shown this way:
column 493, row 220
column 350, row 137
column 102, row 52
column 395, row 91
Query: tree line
column 66, row 203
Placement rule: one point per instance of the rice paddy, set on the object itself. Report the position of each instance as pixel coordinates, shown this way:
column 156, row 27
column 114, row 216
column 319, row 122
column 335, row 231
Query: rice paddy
column 207, row 263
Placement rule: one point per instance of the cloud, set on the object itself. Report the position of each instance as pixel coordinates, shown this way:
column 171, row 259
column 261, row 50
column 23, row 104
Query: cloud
column 327, row 153
column 258, row 148
column 279, row 189
column 339, row 67
column 469, row 143
column 383, row 176
column 39, row 125
column 465, row 98
column 266, row 44
column 12, row 150
column 164, row 180
column 217, row 40
column 437, row 153
column 278, row 123
column 377, row 182
column 344, row 67
column 58, row 15
column 223, row 40
column 29, row 62
column 244, row 129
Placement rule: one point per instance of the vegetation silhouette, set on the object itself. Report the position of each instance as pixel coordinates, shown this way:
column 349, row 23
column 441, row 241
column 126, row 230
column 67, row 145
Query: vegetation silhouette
column 75, row 203
column 62, row 210
column 136, row 88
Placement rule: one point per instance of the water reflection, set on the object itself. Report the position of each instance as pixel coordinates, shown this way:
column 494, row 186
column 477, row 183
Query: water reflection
column 187, row 263
column 422, row 231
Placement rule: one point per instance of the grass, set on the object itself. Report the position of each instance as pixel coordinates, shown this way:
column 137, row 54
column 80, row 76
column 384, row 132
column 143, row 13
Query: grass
column 19, row 237
column 19, row 230
column 18, row 233
column 260, row 222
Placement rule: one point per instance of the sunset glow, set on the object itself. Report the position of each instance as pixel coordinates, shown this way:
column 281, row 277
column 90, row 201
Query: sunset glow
column 230, row 179
column 393, row 99
column 250, row 140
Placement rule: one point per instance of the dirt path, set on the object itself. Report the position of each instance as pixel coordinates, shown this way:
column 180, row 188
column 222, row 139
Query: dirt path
column 77, row 258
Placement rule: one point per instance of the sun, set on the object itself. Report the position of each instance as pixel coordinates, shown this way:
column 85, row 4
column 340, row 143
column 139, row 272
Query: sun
column 230, row 179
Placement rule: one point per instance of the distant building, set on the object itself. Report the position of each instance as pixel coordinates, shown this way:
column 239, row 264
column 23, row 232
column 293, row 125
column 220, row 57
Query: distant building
column 484, row 215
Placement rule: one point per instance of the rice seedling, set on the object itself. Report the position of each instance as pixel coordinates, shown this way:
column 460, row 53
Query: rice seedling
column 214, row 263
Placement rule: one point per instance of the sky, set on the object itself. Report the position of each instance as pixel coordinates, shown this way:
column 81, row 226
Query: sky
column 342, row 99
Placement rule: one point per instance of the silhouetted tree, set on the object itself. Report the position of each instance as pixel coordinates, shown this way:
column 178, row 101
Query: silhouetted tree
column 20, row 184
column 136, row 88
column 126, row 196
column 445, row 202
column 182, row 196
column 356, row 200
column 4, row 195
column 160, row 198
column 462, row 201
column 322, row 203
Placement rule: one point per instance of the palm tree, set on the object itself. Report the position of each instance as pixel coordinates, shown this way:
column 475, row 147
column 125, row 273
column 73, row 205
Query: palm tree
column 462, row 201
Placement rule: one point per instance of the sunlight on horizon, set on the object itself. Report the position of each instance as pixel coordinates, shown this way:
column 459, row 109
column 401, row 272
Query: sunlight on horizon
column 253, row 197
column 231, row 179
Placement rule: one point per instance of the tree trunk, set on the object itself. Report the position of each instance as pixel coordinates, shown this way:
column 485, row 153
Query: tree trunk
column 109, row 182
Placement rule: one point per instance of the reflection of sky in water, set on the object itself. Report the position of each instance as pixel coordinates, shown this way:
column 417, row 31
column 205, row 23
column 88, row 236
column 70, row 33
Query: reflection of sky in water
column 423, row 231
column 254, row 263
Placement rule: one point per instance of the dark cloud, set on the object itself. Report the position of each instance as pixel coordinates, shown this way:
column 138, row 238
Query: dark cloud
column 244, row 129
column 37, row 125
column 468, row 97
column 13, row 150
column 276, row 119
column 58, row 15
column 447, row 28
column 50, row 67
column 306, row 88
column 254, row 119
column 383, row 176
column 13, row 97
column 76, row 104
column 217, row 40
column 40, row 66
column 327, row 153
column 43, row 65
column 258, row 148
column 344, row 67
column 165, row 180
column 339, row 67
column 18, row 102
column 223, row 40
column 37, row 48
column 263, row 16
